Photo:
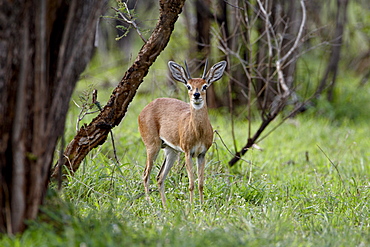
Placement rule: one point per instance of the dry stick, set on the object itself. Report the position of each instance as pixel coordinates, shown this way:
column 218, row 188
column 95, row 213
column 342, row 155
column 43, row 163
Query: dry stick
column 97, row 103
column 224, row 144
column 61, row 157
column 115, row 156
column 250, row 83
column 300, row 32
column 335, row 167
column 231, row 105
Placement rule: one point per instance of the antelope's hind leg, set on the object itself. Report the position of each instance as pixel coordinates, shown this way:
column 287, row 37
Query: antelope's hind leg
column 170, row 158
column 151, row 155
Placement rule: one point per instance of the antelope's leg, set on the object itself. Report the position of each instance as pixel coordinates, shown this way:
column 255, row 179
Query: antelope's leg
column 151, row 154
column 189, row 169
column 200, row 165
column 170, row 159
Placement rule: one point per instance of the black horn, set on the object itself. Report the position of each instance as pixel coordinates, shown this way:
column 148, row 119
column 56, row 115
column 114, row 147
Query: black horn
column 187, row 71
column 205, row 69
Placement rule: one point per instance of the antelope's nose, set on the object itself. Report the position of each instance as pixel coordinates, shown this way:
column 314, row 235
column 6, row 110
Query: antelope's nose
column 196, row 95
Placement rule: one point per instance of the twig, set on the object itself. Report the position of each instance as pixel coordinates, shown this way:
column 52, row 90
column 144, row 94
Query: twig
column 232, row 5
column 295, row 45
column 115, row 156
column 61, row 157
column 97, row 103
column 223, row 143
column 268, row 26
column 130, row 21
column 334, row 165
column 280, row 61
column 85, row 107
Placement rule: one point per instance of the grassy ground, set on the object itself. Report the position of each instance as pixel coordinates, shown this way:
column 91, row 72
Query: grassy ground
column 309, row 186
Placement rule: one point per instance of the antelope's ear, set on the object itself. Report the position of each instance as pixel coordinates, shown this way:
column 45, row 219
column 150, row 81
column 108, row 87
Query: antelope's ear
column 178, row 72
column 216, row 72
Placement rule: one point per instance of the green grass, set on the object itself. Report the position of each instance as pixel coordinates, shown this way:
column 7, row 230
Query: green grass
column 308, row 187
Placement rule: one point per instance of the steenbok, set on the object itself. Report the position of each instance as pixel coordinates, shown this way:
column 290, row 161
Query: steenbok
column 176, row 127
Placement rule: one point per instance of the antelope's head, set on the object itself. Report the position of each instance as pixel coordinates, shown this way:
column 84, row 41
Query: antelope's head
column 197, row 86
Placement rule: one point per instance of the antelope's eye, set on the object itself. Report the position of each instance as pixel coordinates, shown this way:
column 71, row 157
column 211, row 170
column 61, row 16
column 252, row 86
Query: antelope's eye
column 188, row 86
column 204, row 87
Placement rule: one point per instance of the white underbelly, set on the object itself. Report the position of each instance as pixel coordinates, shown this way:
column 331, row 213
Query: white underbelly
column 177, row 148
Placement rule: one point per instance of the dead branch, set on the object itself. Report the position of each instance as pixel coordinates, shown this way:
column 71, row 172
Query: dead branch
column 94, row 134
column 299, row 35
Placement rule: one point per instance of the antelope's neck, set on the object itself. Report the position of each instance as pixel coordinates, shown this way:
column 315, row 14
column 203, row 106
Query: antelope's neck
column 199, row 119
column 198, row 135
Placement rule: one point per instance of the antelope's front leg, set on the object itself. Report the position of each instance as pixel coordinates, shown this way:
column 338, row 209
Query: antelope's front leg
column 189, row 169
column 201, row 164
column 151, row 156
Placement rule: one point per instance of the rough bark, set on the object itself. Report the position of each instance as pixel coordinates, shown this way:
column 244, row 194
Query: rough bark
column 44, row 46
column 95, row 133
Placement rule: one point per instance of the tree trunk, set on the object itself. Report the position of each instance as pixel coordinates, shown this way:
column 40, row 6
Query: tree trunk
column 44, row 46
column 95, row 133
column 235, row 35
column 332, row 68
column 264, row 86
column 203, row 40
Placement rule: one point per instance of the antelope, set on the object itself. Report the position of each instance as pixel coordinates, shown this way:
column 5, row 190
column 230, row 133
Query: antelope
column 176, row 126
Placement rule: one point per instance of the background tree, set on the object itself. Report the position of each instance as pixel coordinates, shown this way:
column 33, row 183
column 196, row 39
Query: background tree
column 44, row 46
column 268, row 59
column 332, row 67
column 263, row 42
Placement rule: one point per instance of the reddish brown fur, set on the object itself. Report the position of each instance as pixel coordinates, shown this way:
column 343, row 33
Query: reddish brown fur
column 181, row 125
